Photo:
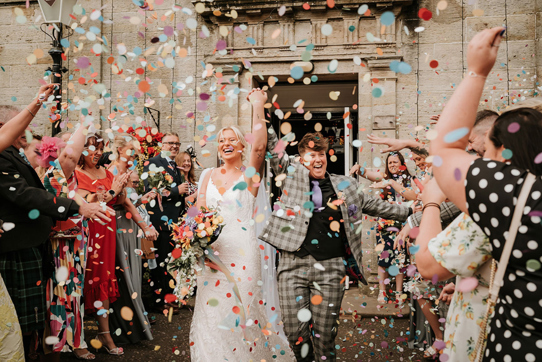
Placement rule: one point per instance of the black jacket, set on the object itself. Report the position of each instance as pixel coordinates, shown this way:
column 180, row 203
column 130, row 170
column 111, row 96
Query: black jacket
column 21, row 192
column 173, row 204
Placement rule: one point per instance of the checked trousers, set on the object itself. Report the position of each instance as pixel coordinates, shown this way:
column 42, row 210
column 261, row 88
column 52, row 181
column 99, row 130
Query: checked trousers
column 303, row 286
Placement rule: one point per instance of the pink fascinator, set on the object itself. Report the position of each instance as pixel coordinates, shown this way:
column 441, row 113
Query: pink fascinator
column 49, row 150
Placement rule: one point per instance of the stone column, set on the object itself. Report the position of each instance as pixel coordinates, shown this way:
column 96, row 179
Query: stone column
column 374, row 113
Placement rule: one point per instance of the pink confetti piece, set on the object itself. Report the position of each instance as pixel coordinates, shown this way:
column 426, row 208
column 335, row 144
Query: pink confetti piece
column 467, row 285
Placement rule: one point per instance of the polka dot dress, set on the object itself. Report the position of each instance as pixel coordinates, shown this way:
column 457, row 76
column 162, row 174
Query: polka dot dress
column 492, row 190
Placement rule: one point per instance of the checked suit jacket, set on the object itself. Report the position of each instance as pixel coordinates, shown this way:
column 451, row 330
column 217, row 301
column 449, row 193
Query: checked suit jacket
column 288, row 224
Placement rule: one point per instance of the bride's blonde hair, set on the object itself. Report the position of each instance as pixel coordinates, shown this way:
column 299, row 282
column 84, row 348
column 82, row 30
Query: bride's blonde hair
column 240, row 137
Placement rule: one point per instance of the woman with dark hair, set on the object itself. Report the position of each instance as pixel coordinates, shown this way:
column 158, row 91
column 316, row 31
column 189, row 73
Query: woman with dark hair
column 96, row 184
column 488, row 190
column 186, row 166
column 395, row 183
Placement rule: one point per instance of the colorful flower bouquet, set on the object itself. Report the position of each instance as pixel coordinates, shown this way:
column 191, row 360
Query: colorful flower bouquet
column 159, row 180
column 193, row 235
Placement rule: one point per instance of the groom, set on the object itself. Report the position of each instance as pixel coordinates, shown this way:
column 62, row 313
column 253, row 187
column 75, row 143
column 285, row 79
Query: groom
column 313, row 226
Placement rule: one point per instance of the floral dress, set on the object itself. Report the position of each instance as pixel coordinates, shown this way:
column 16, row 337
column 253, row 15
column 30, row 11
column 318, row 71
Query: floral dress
column 11, row 338
column 462, row 248
column 387, row 231
column 65, row 307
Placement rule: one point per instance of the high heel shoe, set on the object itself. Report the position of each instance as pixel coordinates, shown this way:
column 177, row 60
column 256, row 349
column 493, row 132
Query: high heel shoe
column 87, row 356
column 117, row 351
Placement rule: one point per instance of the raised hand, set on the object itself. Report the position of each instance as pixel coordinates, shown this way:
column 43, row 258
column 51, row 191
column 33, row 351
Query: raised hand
column 120, row 181
column 151, row 233
column 434, row 119
column 447, row 293
column 483, row 49
column 183, row 188
column 257, row 96
column 46, row 91
column 151, row 195
column 392, row 143
column 355, row 169
column 96, row 212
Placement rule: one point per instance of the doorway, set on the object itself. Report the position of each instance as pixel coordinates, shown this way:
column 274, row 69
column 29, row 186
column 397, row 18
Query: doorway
column 333, row 117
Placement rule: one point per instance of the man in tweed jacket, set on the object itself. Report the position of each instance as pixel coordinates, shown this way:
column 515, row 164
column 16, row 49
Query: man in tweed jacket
column 315, row 231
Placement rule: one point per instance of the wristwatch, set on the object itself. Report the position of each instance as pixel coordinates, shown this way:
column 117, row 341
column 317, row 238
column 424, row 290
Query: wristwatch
column 112, row 193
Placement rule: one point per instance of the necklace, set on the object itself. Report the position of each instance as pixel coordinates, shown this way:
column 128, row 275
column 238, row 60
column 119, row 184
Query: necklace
column 229, row 179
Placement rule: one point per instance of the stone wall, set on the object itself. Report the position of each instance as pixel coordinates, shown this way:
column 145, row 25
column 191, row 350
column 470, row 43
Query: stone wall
column 178, row 53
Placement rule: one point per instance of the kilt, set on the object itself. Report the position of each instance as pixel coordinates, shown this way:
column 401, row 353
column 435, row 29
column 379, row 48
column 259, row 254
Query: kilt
column 23, row 276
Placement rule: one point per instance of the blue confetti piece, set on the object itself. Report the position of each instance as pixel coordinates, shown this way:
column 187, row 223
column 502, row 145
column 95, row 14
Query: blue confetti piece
column 387, row 18
column 240, row 186
column 297, row 72
column 343, row 184
column 414, row 249
column 34, row 214
column 456, row 134
column 251, row 40
column 404, row 68
column 393, row 270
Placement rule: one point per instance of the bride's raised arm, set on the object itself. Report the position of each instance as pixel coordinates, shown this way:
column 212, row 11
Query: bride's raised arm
column 257, row 98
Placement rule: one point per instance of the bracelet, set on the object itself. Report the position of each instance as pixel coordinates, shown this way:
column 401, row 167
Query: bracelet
column 433, row 204
column 29, row 111
column 473, row 74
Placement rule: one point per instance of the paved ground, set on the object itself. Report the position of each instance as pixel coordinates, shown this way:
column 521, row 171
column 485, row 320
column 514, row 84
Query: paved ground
column 362, row 336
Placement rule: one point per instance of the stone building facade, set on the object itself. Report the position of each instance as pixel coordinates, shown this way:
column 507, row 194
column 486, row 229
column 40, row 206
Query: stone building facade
column 182, row 49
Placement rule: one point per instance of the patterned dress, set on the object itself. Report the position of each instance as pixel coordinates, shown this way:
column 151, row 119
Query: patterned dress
column 463, row 248
column 387, row 231
column 65, row 307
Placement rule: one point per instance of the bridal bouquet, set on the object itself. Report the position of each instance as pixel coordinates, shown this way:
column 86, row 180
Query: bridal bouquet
column 159, row 180
column 192, row 236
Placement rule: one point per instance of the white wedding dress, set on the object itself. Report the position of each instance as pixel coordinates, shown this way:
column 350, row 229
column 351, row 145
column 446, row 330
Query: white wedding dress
column 215, row 332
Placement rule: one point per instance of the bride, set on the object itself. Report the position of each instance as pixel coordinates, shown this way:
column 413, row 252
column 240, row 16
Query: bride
column 223, row 327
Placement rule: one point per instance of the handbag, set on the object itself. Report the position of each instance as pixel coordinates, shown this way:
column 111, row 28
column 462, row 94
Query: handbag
column 496, row 274
column 147, row 246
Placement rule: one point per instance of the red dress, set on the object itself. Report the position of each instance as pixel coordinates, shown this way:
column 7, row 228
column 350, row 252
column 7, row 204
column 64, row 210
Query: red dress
column 100, row 281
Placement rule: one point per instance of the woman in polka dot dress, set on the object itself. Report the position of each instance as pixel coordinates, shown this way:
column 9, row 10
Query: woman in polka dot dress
column 487, row 189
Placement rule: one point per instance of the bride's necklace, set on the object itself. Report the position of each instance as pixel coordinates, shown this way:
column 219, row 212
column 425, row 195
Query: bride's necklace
column 229, row 179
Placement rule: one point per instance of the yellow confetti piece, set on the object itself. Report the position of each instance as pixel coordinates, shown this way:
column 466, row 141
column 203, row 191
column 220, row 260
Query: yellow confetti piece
column 156, row 348
column 126, row 313
column 96, row 344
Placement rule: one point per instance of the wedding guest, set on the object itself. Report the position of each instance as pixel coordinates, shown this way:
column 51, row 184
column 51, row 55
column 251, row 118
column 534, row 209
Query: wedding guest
column 186, row 166
column 129, row 273
column 9, row 131
column 172, row 204
column 30, row 152
column 395, row 183
column 98, row 185
column 30, row 209
column 67, row 248
column 483, row 123
column 487, row 189
column 461, row 249
column 312, row 235
column 11, row 348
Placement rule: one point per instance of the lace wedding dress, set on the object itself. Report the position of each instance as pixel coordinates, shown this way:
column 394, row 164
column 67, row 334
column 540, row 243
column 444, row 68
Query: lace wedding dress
column 216, row 333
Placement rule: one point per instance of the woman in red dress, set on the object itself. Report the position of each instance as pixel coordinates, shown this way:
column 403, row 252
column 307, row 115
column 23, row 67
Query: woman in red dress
column 96, row 184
